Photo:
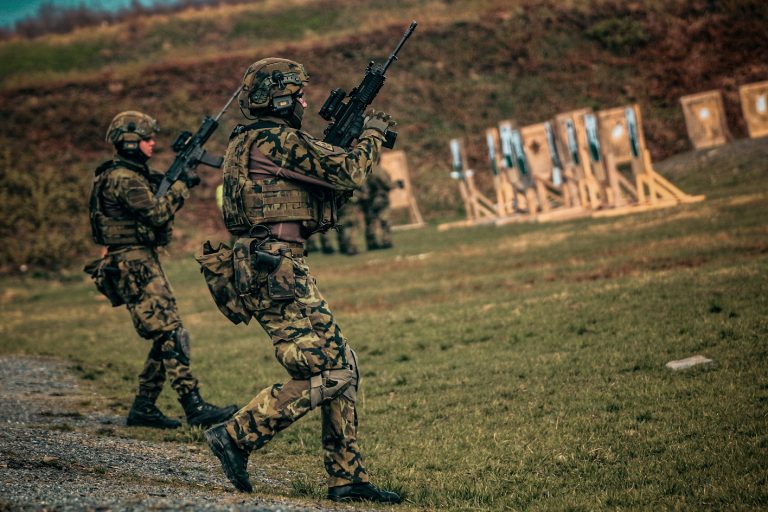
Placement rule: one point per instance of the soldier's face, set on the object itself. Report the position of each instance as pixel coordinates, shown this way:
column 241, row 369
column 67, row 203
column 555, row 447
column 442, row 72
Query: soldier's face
column 146, row 146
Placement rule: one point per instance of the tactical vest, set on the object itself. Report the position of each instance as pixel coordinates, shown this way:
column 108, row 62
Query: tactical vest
column 251, row 202
column 124, row 228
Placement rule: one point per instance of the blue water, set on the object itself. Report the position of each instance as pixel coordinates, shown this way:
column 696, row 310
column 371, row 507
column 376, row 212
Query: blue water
column 12, row 11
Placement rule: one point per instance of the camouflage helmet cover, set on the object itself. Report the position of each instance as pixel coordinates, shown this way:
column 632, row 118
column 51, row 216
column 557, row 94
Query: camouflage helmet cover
column 131, row 126
column 269, row 78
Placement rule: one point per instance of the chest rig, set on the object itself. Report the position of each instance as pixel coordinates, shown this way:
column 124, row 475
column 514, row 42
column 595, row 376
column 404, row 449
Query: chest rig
column 113, row 224
column 253, row 199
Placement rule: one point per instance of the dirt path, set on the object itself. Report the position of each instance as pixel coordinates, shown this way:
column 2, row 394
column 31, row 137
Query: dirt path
column 57, row 454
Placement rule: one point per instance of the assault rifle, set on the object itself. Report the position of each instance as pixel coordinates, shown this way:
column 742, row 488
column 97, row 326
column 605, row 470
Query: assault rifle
column 189, row 150
column 347, row 118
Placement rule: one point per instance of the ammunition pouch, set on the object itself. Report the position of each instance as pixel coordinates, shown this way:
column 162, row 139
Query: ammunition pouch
column 105, row 276
column 217, row 267
column 254, row 266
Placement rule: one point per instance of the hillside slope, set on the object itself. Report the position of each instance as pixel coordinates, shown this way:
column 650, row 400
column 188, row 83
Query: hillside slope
column 467, row 67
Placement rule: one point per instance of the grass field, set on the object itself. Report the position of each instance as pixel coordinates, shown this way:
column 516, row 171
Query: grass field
column 505, row 368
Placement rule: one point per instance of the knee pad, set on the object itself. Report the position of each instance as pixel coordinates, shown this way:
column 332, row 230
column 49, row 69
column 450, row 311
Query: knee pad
column 176, row 345
column 329, row 384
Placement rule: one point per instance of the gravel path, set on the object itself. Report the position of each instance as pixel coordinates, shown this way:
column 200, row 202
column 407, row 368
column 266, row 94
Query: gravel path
column 55, row 456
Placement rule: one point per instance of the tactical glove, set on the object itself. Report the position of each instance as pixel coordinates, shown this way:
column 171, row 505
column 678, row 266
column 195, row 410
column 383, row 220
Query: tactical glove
column 380, row 121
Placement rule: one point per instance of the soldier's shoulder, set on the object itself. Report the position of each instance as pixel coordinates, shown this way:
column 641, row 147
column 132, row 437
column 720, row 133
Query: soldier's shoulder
column 315, row 145
column 121, row 172
column 125, row 177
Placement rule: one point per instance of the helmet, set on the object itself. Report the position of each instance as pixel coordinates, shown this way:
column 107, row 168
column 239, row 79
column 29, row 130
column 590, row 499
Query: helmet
column 269, row 86
column 128, row 128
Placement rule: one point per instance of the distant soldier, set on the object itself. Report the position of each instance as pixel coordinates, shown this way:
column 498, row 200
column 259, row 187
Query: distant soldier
column 349, row 227
column 280, row 186
column 374, row 201
column 320, row 242
column 132, row 223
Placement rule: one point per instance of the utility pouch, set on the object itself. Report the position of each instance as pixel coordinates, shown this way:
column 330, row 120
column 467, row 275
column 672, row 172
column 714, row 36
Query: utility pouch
column 281, row 282
column 218, row 269
column 105, row 276
column 245, row 275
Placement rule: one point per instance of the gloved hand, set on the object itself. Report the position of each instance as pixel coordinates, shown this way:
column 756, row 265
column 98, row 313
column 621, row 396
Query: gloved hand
column 190, row 178
column 380, row 121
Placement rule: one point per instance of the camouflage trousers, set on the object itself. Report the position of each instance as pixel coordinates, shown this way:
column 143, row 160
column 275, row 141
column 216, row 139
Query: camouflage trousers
column 378, row 232
column 307, row 340
column 141, row 283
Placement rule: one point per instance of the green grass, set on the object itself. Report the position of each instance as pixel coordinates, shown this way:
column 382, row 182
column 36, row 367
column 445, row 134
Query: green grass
column 513, row 368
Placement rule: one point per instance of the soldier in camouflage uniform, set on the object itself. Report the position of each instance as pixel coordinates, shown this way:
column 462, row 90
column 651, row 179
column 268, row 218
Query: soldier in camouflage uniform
column 374, row 201
column 324, row 241
column 280, row 186
column 348, row 227
column 131, row 222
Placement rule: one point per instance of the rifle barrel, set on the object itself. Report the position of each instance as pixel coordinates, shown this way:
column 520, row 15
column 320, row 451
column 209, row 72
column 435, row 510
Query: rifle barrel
column 226, row 106
column 393, row 56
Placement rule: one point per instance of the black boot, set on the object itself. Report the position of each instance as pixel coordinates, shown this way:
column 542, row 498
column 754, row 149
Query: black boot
column 144, row 413
column 234, row 460
column 201, row 413
column 362, row 492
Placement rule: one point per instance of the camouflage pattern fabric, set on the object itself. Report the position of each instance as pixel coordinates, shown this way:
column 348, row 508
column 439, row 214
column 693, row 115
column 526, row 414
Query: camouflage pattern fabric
column 143, row 286
column 297, row 151
column 304, row 332
column 374, row 202
column 135, row 274
column 307, row 340
column 349, row 228
column 124, row 209
column 320, row 242
column 129, row 194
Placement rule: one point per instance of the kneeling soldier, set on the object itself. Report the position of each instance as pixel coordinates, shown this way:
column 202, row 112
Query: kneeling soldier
column 132, row 223
column 280, row 186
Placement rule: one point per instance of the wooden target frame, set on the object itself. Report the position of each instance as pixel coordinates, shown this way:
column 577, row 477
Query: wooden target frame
column 395, row 164
column 754, row 105
column 570, row 131
column 505, row 191
column 551, row 200
column 705, row 119
column 479, row 209
column 623, row 142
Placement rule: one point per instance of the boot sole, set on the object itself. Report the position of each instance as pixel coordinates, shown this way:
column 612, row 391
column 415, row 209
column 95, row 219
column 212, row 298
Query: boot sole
column 218, row 450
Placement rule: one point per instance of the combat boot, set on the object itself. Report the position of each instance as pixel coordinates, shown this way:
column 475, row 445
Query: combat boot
column 362, row 492
column 234, row 460
column 201, row 413
column 144, row 413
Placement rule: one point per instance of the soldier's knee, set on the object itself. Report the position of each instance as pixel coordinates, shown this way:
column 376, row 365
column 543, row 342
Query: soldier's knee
column 175, row 345
column 330, row 384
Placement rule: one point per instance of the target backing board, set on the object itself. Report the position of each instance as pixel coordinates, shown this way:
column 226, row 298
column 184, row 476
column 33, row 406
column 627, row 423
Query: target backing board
column 705, row 119
column 754, row 104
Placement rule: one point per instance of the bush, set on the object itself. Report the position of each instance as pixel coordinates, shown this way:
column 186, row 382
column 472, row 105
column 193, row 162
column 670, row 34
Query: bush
column 43, row 219
column 621, row 36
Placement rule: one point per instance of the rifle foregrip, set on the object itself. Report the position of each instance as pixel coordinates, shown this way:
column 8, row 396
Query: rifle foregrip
column 389, row 139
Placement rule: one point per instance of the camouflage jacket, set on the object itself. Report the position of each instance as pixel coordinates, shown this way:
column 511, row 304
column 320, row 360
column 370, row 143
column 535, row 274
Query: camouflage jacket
column 299, row 151
column 298, row 163
column 123, row 208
